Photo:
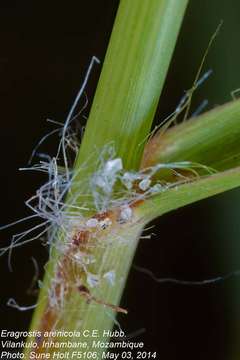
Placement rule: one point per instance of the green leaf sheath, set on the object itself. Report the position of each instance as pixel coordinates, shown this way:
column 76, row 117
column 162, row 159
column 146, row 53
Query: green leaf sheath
column 211, row 139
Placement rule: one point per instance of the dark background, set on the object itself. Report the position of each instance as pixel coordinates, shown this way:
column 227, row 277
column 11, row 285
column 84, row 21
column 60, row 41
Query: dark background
column 45, row 49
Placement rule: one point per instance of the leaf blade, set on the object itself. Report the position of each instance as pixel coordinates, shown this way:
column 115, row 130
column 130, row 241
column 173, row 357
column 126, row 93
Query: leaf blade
column 188, row 193
column 211, row 139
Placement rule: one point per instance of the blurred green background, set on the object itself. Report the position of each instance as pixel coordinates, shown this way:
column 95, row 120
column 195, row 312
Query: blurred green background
column 44, row 51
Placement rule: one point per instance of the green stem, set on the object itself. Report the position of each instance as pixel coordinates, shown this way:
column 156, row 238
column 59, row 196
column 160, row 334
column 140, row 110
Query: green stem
column 131, row 81
column 133, row 74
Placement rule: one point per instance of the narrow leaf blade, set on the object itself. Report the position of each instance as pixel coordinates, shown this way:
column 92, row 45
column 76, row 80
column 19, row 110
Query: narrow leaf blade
column 188, row 193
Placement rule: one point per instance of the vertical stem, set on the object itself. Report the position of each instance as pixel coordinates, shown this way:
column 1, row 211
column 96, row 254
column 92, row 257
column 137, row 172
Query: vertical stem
column 133, row 74
column 134, row 70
